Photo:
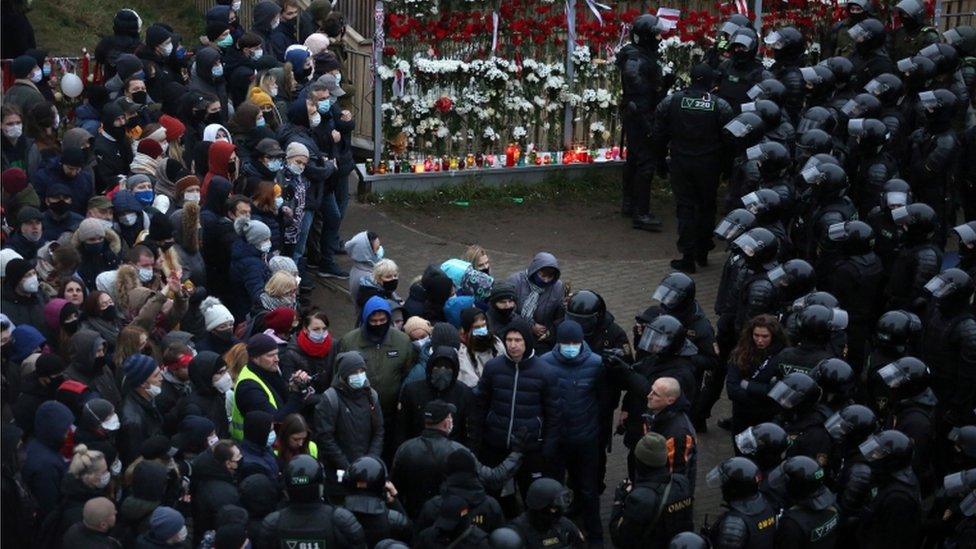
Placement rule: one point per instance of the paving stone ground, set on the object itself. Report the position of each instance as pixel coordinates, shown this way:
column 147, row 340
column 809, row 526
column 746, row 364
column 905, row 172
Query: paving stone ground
column 413, row 238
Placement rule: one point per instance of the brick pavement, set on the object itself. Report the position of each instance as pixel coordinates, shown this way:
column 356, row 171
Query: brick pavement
column 625, row 285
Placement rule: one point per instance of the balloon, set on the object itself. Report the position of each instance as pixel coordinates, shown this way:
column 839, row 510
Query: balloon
column 72, row 85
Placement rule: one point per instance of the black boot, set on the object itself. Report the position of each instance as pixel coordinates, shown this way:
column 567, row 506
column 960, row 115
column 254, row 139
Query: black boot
column 647, row 222
column 686, row 264
column 701, row 258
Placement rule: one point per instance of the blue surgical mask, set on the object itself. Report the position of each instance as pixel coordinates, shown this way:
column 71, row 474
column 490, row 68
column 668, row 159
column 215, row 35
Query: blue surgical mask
column 225, row 41
column 279, row 202
column 217, row 71
column 260, row 123
column 480, row 331
column 338, row 78
column 145, row 197
column 275, row 164
column 272, row 438
column 357, row 381
column 46, row 70
column 379, row 253
column 325, row 105
column 570, row 350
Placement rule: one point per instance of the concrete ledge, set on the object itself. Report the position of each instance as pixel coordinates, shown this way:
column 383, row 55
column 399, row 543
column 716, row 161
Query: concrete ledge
column 419, row 182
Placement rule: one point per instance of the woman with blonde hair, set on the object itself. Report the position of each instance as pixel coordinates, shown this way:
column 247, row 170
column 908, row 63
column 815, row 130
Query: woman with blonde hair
column 478, row 258
column 281, row 290
column 88, row 477
column 382, row 281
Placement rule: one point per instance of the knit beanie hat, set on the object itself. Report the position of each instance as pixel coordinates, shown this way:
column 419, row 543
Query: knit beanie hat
column 150, row 148
column 136, row 370
column 446, row 335
column 29, row 213
column 280, row 319
column 502, row 290
column 16, row 269
column 6, row 255
column 74, row 157
column 22, row 66
column 651, row 450
column 165, row 523
column 48, row 364
column 259, row 344
column 296, row 149
column 282, row 263
column 185, row 183
column 160, row 228
column 460, row 461
column 325, row 62
column 260, row 98
column 127, row 21
column 156, row 35
column 569, row 331
column 174, row 127
column 90, row 228
column 317, row 43
column 252, row 230
column 215, row 29
column 214, row 313
column 133, row 180
column 14, row 180
column 296, row 54
column 415, row 323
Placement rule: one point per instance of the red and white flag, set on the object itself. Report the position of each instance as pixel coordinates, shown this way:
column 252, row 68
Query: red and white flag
column 669, row 16
column 742, row 6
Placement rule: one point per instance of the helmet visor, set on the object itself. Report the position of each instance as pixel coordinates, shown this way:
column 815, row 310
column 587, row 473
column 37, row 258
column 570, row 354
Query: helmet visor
column 778, row 277
column 906, row 65
column 855, row 126
column 874, row 87
column 896, row 199
column 928, row 100
column 839, row 319
column 728, row 28
column 774, row 40
column 858, row 33
column 900, row 215
column 748, row 107
column 810, row 174
column 952, row 37
column 939, row 286
column 737, row 128
column 837, row 427
column 729, row 230
column 714, row 478
column 743, row 39
column 965, row 233
column 872, row 450
column 968, row 505
column 892, row 375
column 954, row 484
column 653, row 342
column 851, row 109
column 668, row 297
column 755, row 152
column 751, row 202
column 931, row 51
column 755, row 92
column 784, row 395
column 837, row 232
column 807, row 124
column 746, row 442
column 747, row 244
column 809, row 75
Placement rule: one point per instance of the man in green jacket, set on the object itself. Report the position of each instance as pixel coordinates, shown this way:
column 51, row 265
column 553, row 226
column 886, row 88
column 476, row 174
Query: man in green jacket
column 389, row 356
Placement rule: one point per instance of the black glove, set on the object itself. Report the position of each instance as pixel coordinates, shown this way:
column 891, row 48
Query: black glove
column 519, row 440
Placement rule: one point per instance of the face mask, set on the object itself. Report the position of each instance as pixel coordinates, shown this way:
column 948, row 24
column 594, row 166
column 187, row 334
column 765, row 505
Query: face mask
column 167, row 50
column 109, row 313
column 140, row 97
column 104, row 479
column 441, row 379
column 223, row 43
column 325, row 105
column 296, row 169
column 260, row 122
column 357, row 381
column 46, row 70
column 265, row 247
column 59, row 207
column 380, row 253
column 272, row 438
column 218, row 70
column 275, row 23
column 315, row 120
column 275, row 164
column 154, row 390
column 145, row 197
column 256, row 54
column 223, row 383
column 279, row 202
column 112, row 423
column 391, row 285
column 480, row 331
column 36, row 76
column 236, row 6
column 273, row 90
column 318, row 336
column 570, row 350
column 30, row 285
column 116, row 467
column 33, row 237
column 13, row 131
column 212, row 441
column 105, row 223
column 338, row 78
column 180, row 536
column 191, row 197
column 128, row 219
column 145, row 274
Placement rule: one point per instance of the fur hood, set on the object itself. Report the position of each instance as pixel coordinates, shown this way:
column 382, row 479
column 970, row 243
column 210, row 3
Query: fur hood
column 114, row 242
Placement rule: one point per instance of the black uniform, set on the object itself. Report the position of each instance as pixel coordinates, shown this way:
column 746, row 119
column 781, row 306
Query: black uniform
column 934, row 153
column 643, row 87
column 656, row 508
column 856, row 282
column 807, row 527
column 913, row 267
column 949, row 350
column 807, row 436
column 312, row 525
column 914, row 417
column 537, row 532
column 748, row 523
column 892, row 518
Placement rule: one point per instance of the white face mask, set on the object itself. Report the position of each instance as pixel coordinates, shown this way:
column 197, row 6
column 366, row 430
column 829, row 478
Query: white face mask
column 296, row 169
column 112, row 423
column 167, row 49
column 145, row 274
column 212, row 440
column 265, row 246
column 116, row 467
column 154, row 390
column 191, row 197
column 13, row 131
column 180, row 536
column 315, row 120
column 256, row 54
column 223, row 383
column 273, row 90
column 36, row 76
column 30, row 285
column 318, row 336
column 279, row 202
column 236, row 5
column 275, row 23
column 104, row 479
column 128, row 219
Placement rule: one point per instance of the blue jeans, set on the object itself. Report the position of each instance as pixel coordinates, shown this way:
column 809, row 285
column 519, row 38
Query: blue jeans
column 330, row 217
column 304, row 226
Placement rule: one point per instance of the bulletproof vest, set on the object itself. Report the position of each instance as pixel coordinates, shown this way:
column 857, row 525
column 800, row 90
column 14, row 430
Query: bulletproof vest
column 886, row 243
column 306, row 529
column 736, row 80
column 853, row 487
column 676, row 513
column 734, row 274
column 641, row 78
column 880, row 496
column 760, row 520
column 799, row 359
column 694, row 120
column 559, row 535
column 819, row 527
column 910, row 261
column 937, row 345
column 870, row 273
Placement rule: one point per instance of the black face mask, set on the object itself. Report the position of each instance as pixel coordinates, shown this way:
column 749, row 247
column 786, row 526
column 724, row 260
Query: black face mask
column 116, row 132
column 59, row 207
column 98, row 363
column 505, row 314
column 132, row 123
column 140, row 97
column 480, row 343
column 92, row 249
column 441, row 378
column 70, row 327
column 377, row 333
column 214, row 118
column 486, row 270
column 223, row 335
column 391, row 285
column 110, row 313
column 165, row 246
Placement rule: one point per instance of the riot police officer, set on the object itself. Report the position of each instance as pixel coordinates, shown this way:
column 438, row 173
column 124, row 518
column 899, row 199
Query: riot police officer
column 685, row 124
column 764, row 444
column 849, row 428
column 919, row 259
column 505, row 538
column 812, row 519
column 897, row 334
column 823, row 204
column 895, row 193
column 843, row 70
column 367, row 496
column 779, row 129
column 934, row 152
column 838, row 41
column 914, row 33
column 892, row 518
column 814, row 327
column 890, row 90
column 656, row 504
column 813, row 140
column 836, row 379
column 307, row 521
column 869, row 163
column 749, row 521
column 967, row 247
column 819, row 82
column 756, row 295
column 772, row 212
column 643, row 87
column 721, row 49
column 742, row 133
column 869, row 58
column 793, row 279
column 788, row 47
column 543, row 523
column 741, row 71
column 797, row 395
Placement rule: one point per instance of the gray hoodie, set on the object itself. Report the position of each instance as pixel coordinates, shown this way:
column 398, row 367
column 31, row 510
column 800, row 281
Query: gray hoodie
column 363, row 258
column 549, row 308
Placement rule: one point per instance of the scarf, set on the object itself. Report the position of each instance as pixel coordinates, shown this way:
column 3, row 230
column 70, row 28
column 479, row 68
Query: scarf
column 312, row 349
column 269, row 302
column 531, row 300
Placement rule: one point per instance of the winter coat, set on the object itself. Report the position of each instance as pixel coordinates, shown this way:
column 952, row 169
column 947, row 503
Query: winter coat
column 249, row 273
column 24, row 95
column 201, row 79
column 348, row 421
column 363, row 258
column 204, row 400
column 294, row 359
column 673, row 424
column 580, row 382
column 472, row 363
column 218, row 237
column 32, row 395
column 140, row 420
column 44, row 467
column 88, row 118
column 112, row 160
column 549, row 309
column 51, row 173
column 74, row 494
column 417, row 394
column 80, row 535
column 93, row 263
column 257, row 460
column 387, row 362
column 55, row 227
column 84, row 366
column 185, row 220
column 21, row 309
column 212, row 486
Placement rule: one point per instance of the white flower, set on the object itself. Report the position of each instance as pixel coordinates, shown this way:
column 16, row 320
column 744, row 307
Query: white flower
column 490, row 134
column 443, row 132
column 519, row 132
column 597, row 127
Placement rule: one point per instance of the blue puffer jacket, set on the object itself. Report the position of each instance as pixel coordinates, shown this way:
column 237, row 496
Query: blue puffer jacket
column 51, row 173
column 44, row 466
column 513, row 397
column 580, row 380
column 248, row 275
column 87, row 117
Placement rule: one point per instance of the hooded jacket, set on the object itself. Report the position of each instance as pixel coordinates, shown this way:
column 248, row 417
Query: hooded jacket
column 51, row 173
column 212, row 486
column 21, row 309
column 204, row 399
column 218, row 163
column 387, row 362
column 45, row 467
column 148, row 488
column 201, row 78
column 218, row 236
column 263, row 14
column 363, row 258
column 248, row 274
column 417, row 394
column 549, row 309
column 86, row 368
column 515, row 397
column 257, row 456
column 349, row 421
column 140, row 420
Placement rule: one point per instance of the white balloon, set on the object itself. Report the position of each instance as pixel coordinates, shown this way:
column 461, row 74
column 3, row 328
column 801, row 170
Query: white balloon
column 71, row 85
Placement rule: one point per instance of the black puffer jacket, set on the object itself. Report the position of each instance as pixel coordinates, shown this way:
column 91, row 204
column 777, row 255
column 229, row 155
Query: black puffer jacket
column 212, row 486
column 417, row 394
column 515, row 396
column 86, row 368
column 484, row 510
column 349, row 422
column 205, row 400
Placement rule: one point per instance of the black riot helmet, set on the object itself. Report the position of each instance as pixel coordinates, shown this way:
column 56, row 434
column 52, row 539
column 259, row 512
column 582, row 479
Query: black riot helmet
column 549, row 496
column 841, row 67
column 887, row 87
column 759, row 246
column 854, row 237
column 918, row 222
column 816, row 117
column 588, row 309
column 895, row 193
column 815, row 298
column 960, row 483
column 665, row 335
column 802, row 478
column 744, row 44
column 767, row 110
column 688, row 540
column 911, row 13
column 916, row 71
column 793, row 279
column 367, row 475
column 745, row 129
column 763, row 443
column 734, row 224
column 888, row 451
column 869, row 135
column 766, row 204
column 952, row 287
column 906, row 377
column 738, row 477
column 773, row 158
column 770, row 88
column 966, row 233
column 852, row 424
column 676, row 292
column 815, row 322
column 963, row 38
column 897, row 331
column 303, row 478
column 505, row 538
column 827, row 180
column 835, row 377
column 939, row 106
column 862, row 105
column 858, row 10
column 945, row 57
column 819, row 80
column 964, row 439
column 786, row 42
column 811, row 142
column 868, row 35
column 646, row 32
column 796, row 391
